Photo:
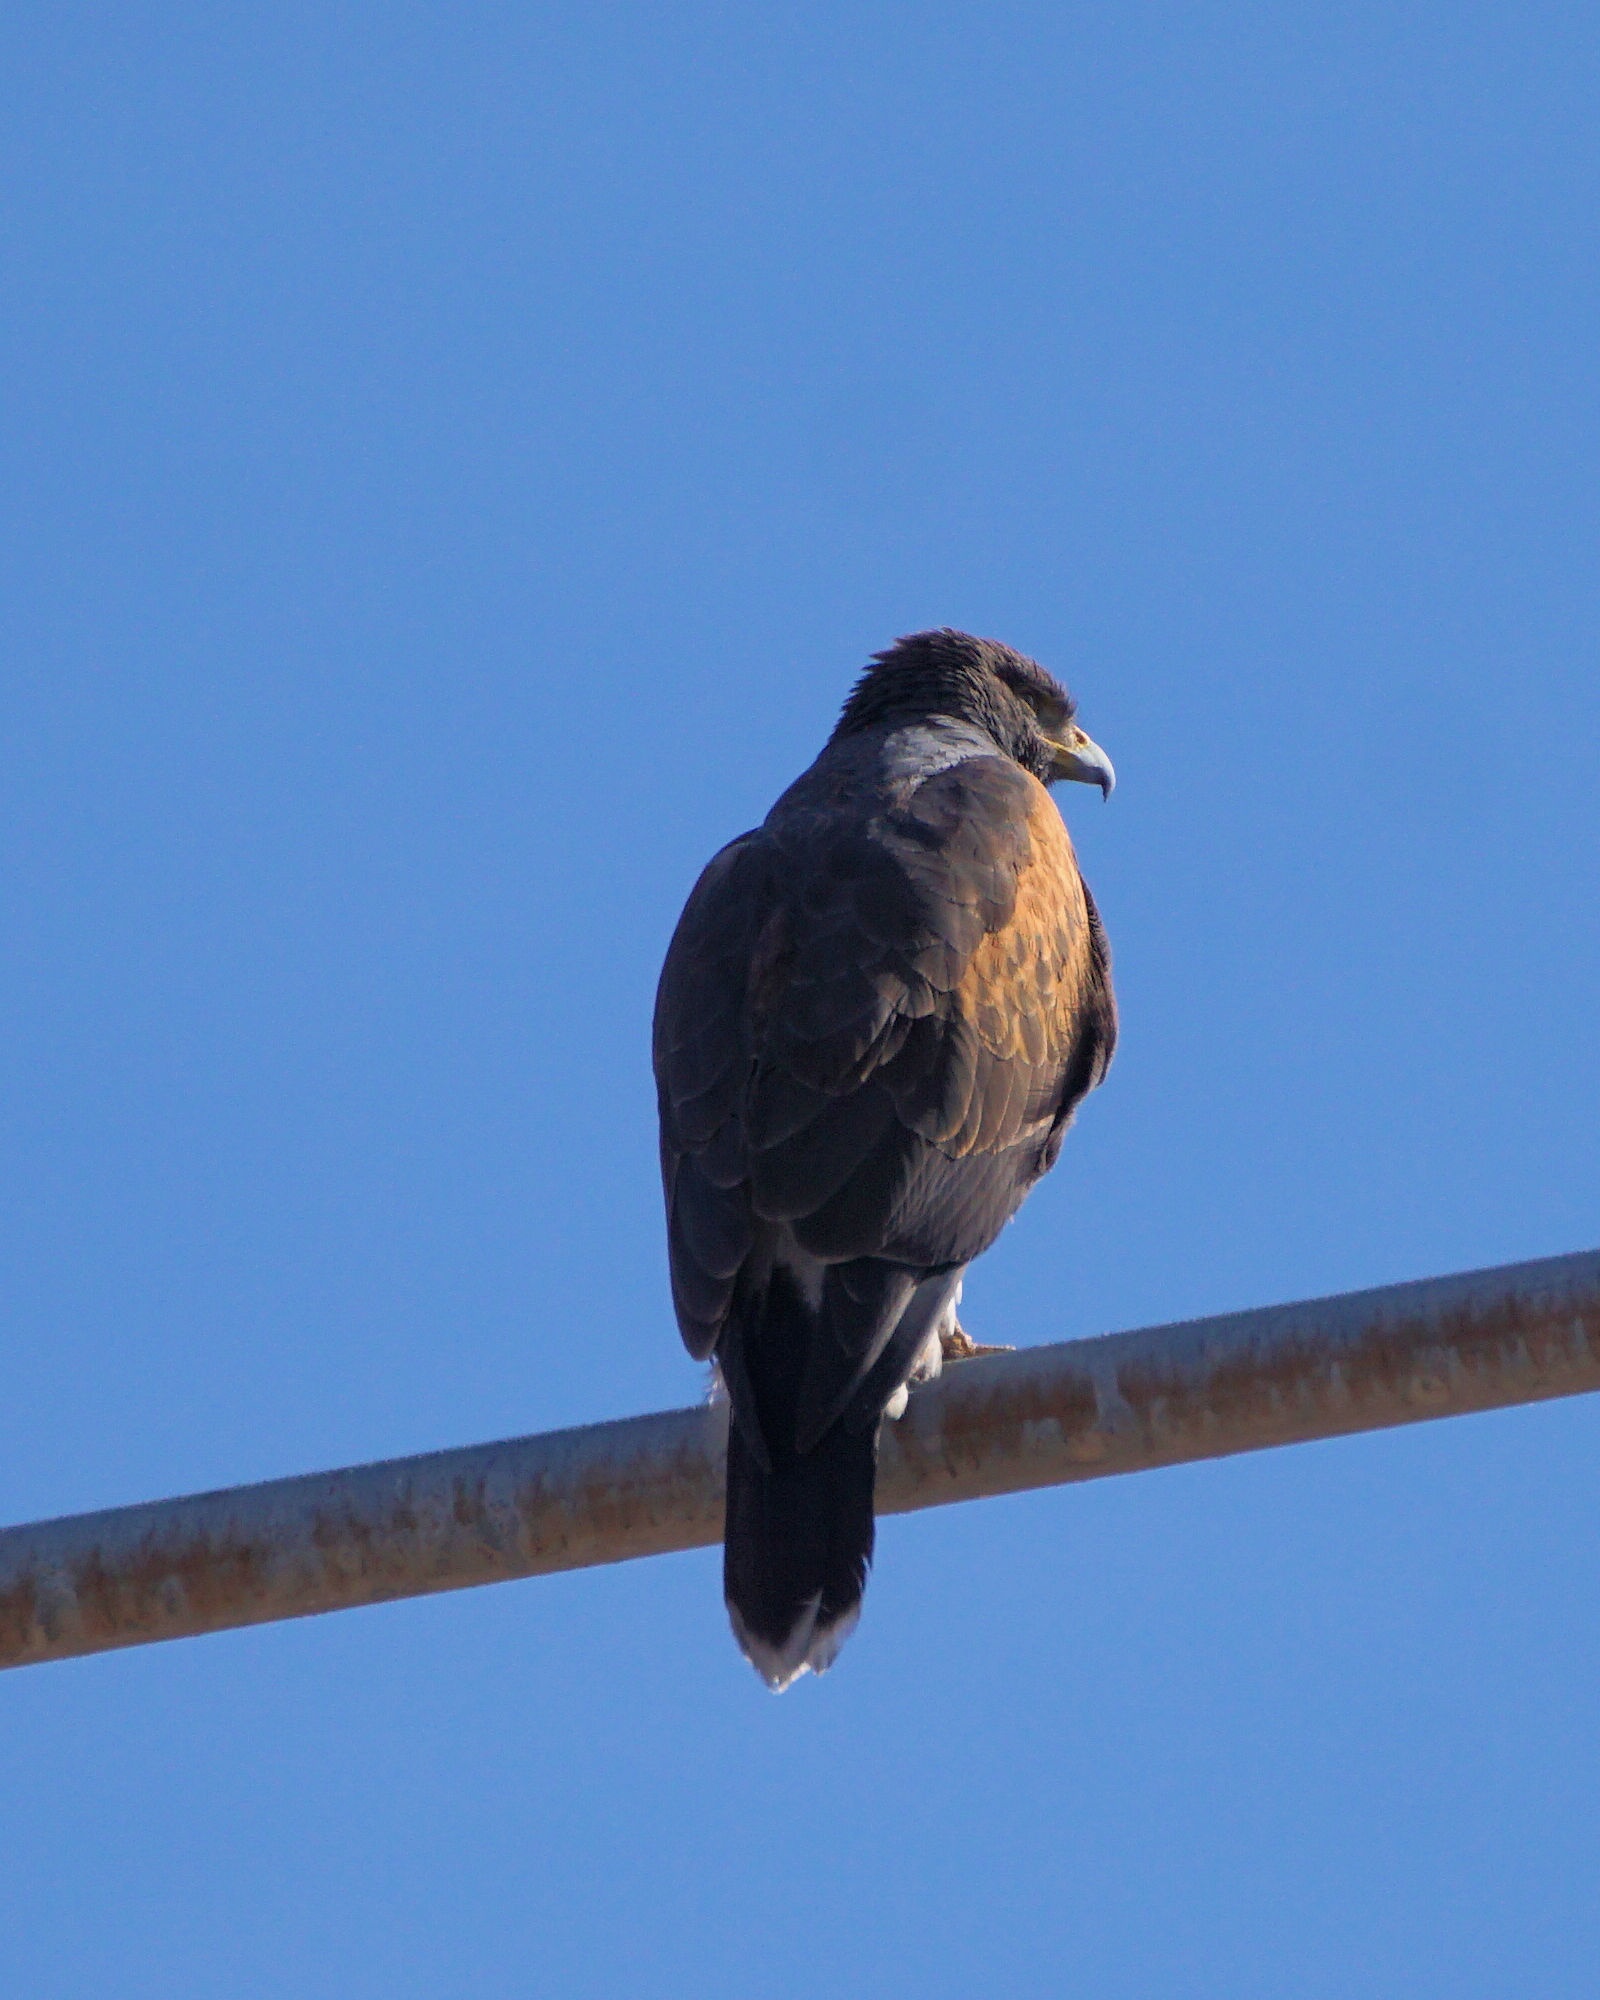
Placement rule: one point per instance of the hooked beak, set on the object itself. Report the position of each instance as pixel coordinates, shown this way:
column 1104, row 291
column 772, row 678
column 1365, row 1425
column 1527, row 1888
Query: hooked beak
column 1079, row 757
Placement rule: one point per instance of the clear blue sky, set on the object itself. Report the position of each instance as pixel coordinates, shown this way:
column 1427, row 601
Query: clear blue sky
column 455, row 461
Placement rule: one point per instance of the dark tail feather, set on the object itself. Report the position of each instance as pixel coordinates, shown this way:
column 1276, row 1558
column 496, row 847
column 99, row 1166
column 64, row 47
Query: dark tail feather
column 796, row 1548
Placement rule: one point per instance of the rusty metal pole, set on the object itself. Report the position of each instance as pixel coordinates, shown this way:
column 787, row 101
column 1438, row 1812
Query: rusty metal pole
column 646, row 1485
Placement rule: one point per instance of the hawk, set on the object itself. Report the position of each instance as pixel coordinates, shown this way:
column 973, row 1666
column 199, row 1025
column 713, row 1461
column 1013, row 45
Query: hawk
column 876, row 1018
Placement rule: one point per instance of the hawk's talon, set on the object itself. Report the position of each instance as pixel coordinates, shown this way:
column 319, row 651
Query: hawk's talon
column 958, row 1345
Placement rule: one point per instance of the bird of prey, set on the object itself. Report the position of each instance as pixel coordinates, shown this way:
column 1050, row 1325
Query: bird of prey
column 877, row 1016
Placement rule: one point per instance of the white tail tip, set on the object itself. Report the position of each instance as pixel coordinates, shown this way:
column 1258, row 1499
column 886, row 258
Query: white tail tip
column 809, row 1648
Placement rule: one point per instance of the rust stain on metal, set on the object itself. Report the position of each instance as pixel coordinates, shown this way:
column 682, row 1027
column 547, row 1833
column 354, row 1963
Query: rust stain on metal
column 1461, row 1359
column 198, row 1584
column 1248, row 1381
column 20, row 1616
column 648, row 1485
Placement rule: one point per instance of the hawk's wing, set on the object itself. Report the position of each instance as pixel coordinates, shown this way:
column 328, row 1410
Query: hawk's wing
column 704, row 1054
column 873, row 1025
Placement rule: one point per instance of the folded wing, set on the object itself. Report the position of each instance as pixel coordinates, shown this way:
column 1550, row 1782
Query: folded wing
column 874, row 1023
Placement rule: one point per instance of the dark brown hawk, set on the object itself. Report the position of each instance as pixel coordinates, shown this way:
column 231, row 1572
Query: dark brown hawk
column 876, row 1018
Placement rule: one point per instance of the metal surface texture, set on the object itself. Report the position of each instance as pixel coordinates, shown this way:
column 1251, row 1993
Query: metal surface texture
column 647, row 1485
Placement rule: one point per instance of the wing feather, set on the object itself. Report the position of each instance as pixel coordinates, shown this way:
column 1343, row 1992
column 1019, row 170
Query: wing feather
column 875, row 1018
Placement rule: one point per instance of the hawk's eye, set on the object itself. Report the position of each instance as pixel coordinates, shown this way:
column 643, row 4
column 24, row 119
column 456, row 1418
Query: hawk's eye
column 1047, row 706
column 1048, row 710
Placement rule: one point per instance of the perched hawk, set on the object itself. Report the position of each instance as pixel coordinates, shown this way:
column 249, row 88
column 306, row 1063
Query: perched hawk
column 876, row 1018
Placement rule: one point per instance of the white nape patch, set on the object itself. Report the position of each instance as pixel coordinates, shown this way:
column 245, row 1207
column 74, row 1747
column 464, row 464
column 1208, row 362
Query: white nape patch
column 808, row 1648
column 921, row 750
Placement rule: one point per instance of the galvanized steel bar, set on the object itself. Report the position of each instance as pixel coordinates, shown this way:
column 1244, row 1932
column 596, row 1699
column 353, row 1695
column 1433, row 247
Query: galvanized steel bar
column 646, row 1485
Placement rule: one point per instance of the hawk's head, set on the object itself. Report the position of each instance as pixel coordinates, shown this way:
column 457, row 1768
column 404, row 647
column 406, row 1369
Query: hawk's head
column 1027, row 711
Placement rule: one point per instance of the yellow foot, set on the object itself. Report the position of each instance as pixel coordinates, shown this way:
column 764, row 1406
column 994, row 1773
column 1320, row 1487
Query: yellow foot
column 960, row 1346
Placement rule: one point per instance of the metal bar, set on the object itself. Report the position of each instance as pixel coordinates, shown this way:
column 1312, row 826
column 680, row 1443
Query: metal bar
column 646, row 1485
